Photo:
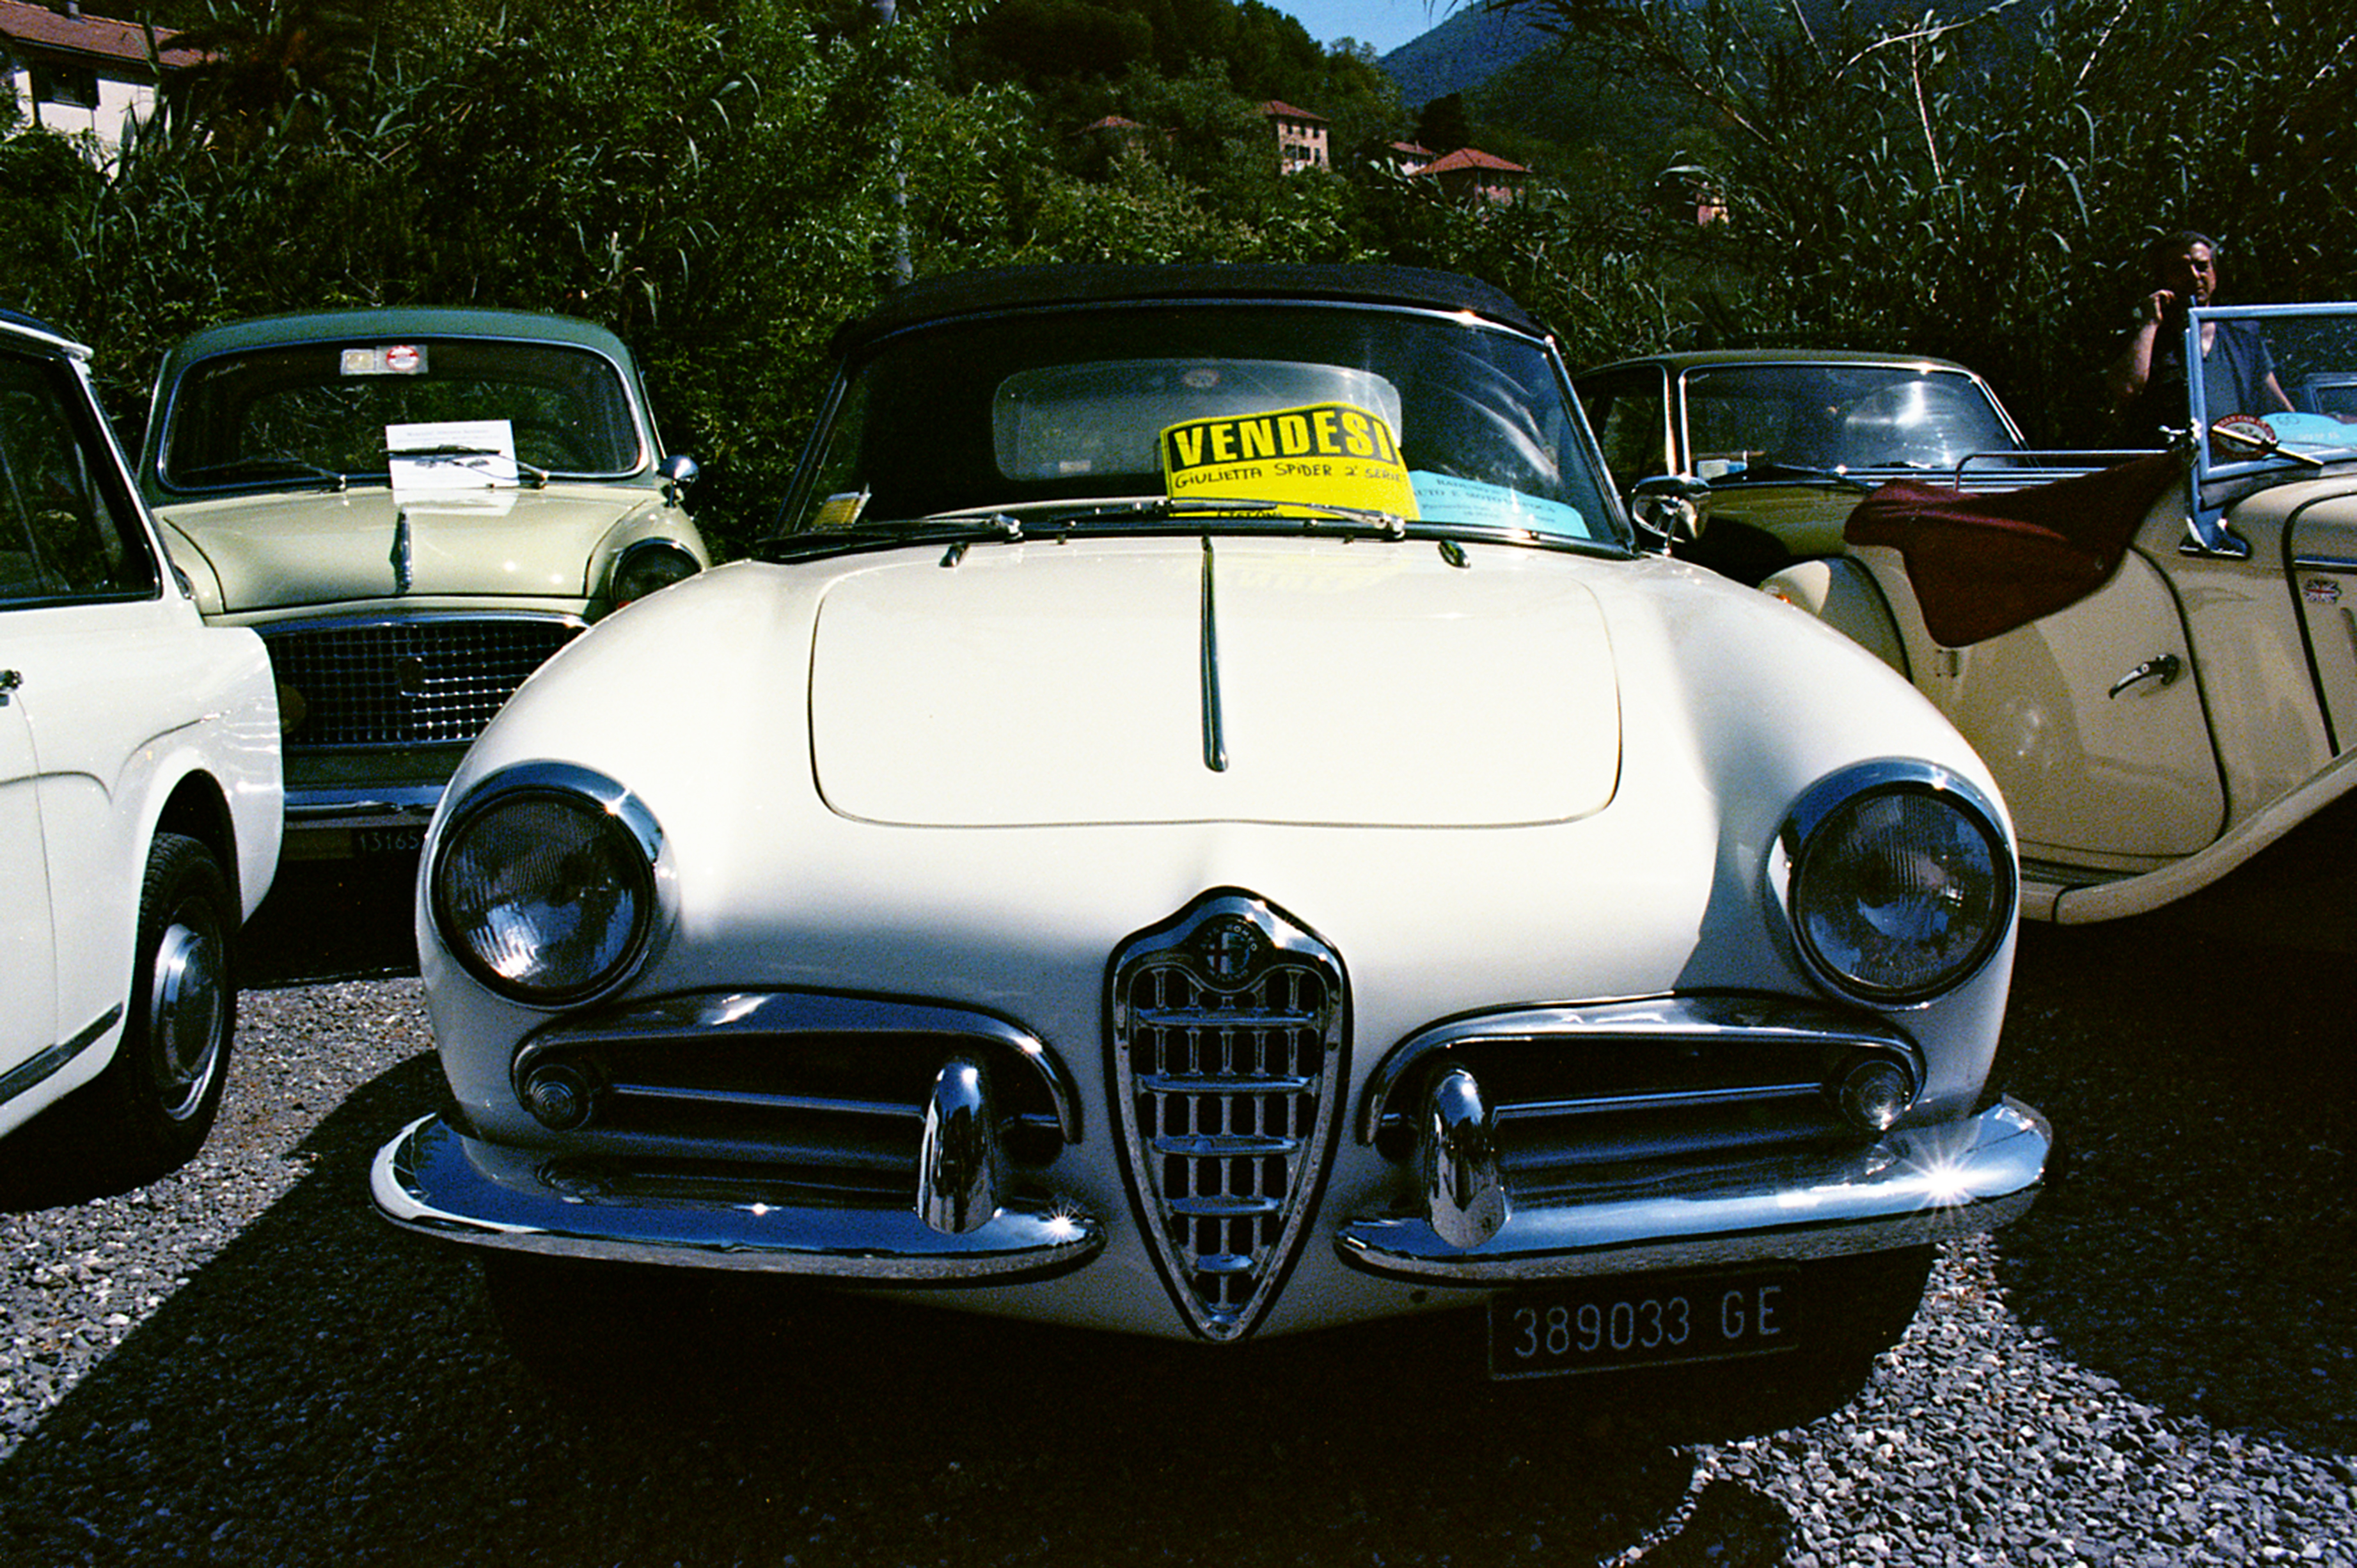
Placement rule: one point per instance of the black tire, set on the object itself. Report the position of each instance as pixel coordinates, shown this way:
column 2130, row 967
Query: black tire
column 149, row 1112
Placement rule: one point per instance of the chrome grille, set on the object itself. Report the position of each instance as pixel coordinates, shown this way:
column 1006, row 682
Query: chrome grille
column 414, row 681
column 1227, row 1043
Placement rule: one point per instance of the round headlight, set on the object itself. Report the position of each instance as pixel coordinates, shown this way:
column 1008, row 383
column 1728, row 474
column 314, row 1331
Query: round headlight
column 543, row 885
column 1898, row 881
column 648, row 564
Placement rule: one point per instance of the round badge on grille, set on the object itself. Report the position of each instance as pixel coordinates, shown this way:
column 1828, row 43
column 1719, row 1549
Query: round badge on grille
column 1228, row 948
column 410, row 676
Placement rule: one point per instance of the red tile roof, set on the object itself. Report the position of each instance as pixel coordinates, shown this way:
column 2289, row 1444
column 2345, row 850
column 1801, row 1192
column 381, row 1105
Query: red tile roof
column 93, row 39
column 1472, row 158
column 1278, row 107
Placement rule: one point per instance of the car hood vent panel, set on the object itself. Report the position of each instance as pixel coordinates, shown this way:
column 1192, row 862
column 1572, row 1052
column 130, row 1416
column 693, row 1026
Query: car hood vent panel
column 1228, row 1025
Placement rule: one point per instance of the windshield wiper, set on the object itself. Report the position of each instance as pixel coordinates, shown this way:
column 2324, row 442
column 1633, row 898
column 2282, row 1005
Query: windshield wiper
column 272, row 466
column 2267, row 446
column 883, row 534
column 436, row 457
column 1287, row 514
column 1757, row 471
column 1146, row 514
column 1010, row 527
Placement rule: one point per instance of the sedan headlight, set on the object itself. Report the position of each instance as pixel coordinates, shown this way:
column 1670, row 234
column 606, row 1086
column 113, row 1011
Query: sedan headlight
column 648, row 564
column 545, row 884
column 1898, row 879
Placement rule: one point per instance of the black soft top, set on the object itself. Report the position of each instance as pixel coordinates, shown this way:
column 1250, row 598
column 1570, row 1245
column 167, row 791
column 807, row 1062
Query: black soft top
column 1015, row 288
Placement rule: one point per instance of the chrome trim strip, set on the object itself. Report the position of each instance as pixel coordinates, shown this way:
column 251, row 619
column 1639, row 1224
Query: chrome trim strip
column 1665, row 1099
column 2323, row 563
column 1714, row 1020
column 1916, row 1185
column 435, row 1181
column 268, row 627
column 1215, row 738
column 702, row 1015
column 44, row 1064
column 412, row 803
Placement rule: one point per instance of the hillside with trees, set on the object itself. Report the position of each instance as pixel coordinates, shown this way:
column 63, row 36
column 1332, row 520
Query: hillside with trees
column 723, row 181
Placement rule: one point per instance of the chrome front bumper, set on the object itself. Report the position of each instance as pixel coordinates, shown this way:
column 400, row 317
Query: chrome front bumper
column 433, row 1179
column 1913, row 1185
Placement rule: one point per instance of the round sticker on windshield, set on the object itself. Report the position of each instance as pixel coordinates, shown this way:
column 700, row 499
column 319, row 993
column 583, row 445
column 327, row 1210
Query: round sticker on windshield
column 1330, row 453
column 2241, row 435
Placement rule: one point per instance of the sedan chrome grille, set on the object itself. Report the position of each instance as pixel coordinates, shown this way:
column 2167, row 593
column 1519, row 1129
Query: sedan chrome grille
column 1228, row 1026
column 419, row 680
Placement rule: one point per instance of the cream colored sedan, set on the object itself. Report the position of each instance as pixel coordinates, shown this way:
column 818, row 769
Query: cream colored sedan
column 413, row 508
column 2157, row 661
column 139, row 798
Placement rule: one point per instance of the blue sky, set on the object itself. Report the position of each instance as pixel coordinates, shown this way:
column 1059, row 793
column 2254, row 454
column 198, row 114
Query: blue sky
column 1386, row 23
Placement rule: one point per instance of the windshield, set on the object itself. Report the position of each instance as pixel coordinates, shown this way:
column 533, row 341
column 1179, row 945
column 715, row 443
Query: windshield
column 1285, row 411
column 317, row 413
column 1749, row 421
column 2260, row 359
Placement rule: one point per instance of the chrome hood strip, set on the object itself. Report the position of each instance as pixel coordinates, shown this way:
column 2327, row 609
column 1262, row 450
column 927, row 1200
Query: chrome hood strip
column 1215, row 740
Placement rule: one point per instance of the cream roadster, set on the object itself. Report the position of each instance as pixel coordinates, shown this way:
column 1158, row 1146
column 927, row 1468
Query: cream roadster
column 2157, row 661
column 1204, row 825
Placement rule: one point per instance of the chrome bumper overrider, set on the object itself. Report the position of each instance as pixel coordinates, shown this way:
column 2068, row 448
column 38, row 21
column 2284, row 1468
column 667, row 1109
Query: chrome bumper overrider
column 1913, row 1185
column 433, row 1179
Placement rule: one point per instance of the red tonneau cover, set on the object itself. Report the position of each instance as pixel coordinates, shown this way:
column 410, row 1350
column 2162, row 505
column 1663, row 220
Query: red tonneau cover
column 1984, row 563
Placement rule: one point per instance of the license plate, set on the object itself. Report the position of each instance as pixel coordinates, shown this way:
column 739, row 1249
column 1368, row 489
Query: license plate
column 388, row 841
column 1593, row 1326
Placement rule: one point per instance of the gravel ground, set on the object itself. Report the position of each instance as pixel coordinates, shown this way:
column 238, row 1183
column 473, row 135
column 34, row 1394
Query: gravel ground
column 241, row 1365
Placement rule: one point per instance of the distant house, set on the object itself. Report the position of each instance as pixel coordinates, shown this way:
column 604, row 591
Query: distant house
column 1301, row 136
column 1470, row 174
column 75, row 73
column 1113, row 127
column 1407, row 158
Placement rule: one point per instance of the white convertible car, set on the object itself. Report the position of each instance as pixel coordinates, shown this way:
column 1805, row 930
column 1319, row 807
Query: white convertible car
column 1205, row 824
column 139, row 798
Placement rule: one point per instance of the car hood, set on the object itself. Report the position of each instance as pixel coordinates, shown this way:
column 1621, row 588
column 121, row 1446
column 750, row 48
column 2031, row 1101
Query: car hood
column 1237, row 682
column 275, row 550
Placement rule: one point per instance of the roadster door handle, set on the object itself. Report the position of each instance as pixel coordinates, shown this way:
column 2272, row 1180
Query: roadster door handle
column 2164, row 668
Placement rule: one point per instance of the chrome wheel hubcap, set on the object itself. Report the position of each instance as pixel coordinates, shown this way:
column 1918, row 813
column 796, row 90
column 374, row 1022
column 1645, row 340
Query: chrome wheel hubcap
column 187, row 1016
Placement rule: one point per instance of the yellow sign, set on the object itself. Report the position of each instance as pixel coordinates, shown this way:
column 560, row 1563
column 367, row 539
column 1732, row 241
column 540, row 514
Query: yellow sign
column 1327, row 454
